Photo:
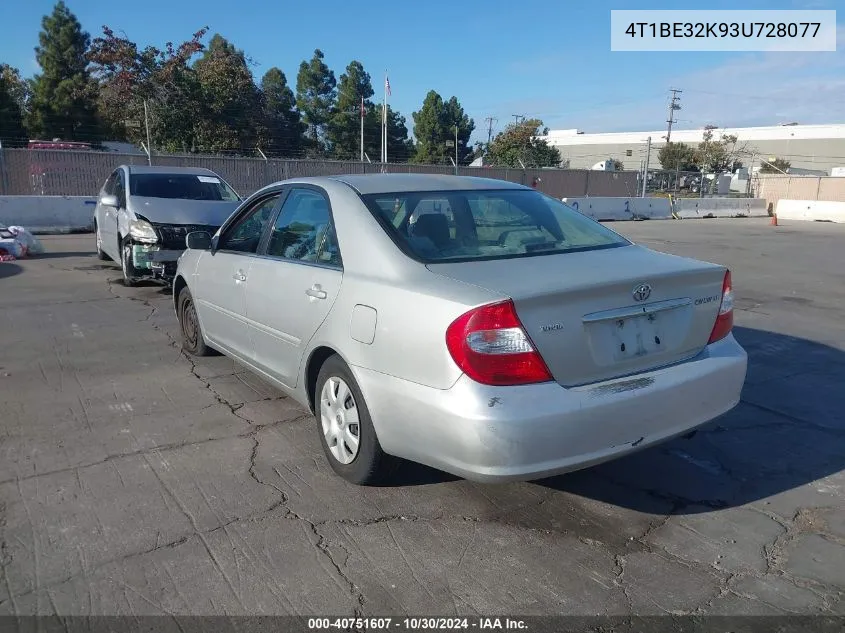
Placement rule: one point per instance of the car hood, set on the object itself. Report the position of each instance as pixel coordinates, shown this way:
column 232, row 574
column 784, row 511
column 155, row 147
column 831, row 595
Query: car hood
column 176, row 211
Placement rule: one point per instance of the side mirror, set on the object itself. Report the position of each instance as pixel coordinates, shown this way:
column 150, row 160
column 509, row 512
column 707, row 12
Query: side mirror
column 109, row 201
column 198, row 240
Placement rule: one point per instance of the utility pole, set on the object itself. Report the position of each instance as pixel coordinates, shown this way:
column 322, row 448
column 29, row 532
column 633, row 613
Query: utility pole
column 645, row 168
column 490, row 120
column 518, row 118
column 674, row 105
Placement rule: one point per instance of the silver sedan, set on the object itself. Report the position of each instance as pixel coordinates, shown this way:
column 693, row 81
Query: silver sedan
column 473, row 325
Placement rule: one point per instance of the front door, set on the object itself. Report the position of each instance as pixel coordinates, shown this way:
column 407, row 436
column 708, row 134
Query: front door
column 106, row 218
column 293, row 285
column 223, row 275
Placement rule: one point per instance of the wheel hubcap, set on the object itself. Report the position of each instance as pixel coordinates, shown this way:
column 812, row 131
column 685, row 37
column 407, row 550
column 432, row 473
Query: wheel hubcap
column 340, row 421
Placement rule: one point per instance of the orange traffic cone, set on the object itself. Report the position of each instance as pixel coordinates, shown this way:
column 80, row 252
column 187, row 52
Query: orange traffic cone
column 774, row 221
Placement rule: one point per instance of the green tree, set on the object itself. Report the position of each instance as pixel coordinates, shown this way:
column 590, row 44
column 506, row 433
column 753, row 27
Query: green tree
column 282, row 124
column 128, row 76
column 434, row 129
column 719, row 154
column 315, row 97
column 344, row 126
column 12, row 131
column 522, row 142
column 64, row 97
column 231, row 102
column 775, row 166
column 677, row 156
column 19, row 88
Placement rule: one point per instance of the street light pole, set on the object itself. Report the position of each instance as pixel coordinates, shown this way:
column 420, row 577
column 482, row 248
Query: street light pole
column 147, row 125
column 456, row 150
column 645, row 170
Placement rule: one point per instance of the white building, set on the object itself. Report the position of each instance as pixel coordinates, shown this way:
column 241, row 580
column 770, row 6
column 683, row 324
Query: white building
column 812, row 147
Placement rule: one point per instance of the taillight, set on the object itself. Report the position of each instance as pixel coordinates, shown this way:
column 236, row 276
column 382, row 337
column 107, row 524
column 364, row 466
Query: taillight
column 725, row 320
column 490, row 346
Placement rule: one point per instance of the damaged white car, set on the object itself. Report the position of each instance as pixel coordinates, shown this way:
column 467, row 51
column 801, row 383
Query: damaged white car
column 144, row 213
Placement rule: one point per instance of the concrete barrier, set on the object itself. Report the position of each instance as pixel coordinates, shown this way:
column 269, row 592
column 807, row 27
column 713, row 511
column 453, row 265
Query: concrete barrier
column 606, row 209
column 812, row 210
column 48, row 214
column 719, row 207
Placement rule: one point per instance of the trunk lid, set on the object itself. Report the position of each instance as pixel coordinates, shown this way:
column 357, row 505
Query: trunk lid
column 580, row 312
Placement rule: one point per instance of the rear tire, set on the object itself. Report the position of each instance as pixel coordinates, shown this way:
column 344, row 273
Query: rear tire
column 129, row 272
column 193, row 341
column 346, row 429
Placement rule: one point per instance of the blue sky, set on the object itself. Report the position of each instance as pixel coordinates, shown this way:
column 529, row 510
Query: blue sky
column 549, row 59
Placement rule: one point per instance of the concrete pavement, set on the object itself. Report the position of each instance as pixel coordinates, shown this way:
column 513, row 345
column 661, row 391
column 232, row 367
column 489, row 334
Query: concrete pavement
column 135, row 480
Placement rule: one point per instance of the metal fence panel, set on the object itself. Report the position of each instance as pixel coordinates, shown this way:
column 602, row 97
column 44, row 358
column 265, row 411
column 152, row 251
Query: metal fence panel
column 72, row 173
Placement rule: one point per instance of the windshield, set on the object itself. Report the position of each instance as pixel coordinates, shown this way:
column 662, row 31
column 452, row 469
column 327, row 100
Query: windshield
column 475, row 224
column 181, row 186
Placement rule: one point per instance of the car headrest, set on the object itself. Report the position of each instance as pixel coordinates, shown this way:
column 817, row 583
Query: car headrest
column 434, row 226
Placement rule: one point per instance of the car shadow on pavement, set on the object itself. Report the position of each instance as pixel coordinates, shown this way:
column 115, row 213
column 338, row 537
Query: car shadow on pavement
column 787, row 432
column 61, row 254
column 8, row 269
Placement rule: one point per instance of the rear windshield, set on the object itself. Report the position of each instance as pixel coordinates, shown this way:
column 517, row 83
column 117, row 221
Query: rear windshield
column 182, row 186
column 479, row 224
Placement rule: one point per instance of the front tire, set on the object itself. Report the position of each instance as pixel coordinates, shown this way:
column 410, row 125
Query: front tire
column 346, row 430
column 128, row 265
column 101, row 255
column 193, row 341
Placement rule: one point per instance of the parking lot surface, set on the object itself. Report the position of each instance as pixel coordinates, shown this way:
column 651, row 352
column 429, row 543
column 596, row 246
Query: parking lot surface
column 136, row 480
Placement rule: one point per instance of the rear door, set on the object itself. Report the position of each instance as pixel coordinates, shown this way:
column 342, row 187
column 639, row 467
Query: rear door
column 222, row 277
column 293, row 285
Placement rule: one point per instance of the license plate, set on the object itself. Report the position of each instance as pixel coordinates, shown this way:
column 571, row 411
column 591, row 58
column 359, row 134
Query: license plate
column 633, row 337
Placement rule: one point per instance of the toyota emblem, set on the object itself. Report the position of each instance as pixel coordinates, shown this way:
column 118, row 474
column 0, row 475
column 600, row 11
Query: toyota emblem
column 641, row 292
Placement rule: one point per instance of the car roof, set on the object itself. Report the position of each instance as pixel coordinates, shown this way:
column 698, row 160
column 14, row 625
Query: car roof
column 156, row 169
column 366, row 184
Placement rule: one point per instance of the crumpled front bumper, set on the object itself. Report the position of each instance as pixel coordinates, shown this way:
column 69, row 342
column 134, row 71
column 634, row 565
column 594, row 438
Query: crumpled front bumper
column 157, row 262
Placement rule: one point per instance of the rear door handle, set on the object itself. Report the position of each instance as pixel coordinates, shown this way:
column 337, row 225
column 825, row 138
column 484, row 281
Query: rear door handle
column 316, row 292
column 239, row 276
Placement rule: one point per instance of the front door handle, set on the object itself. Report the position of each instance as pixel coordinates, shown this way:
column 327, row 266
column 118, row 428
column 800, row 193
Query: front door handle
column 239, row 276
column 316, row 292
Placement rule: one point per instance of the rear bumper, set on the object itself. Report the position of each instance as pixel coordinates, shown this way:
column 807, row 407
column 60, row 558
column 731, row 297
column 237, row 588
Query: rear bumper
column 533, row 431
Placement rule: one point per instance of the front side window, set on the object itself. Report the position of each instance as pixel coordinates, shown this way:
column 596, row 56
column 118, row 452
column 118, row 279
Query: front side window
column 182, row 187
column 244, row 236
column 480, row 224
column 303, row 230
column 108, row 188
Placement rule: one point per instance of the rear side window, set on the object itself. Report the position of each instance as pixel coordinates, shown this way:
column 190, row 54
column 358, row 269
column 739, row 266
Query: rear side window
column 303, row 230
column 480, row 224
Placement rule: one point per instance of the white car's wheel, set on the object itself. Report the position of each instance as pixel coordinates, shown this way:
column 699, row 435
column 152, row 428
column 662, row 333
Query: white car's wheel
column 99, row 241
column 346, row 430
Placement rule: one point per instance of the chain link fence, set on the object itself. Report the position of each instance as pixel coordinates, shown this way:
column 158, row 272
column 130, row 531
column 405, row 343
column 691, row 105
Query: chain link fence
column 82, row 173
